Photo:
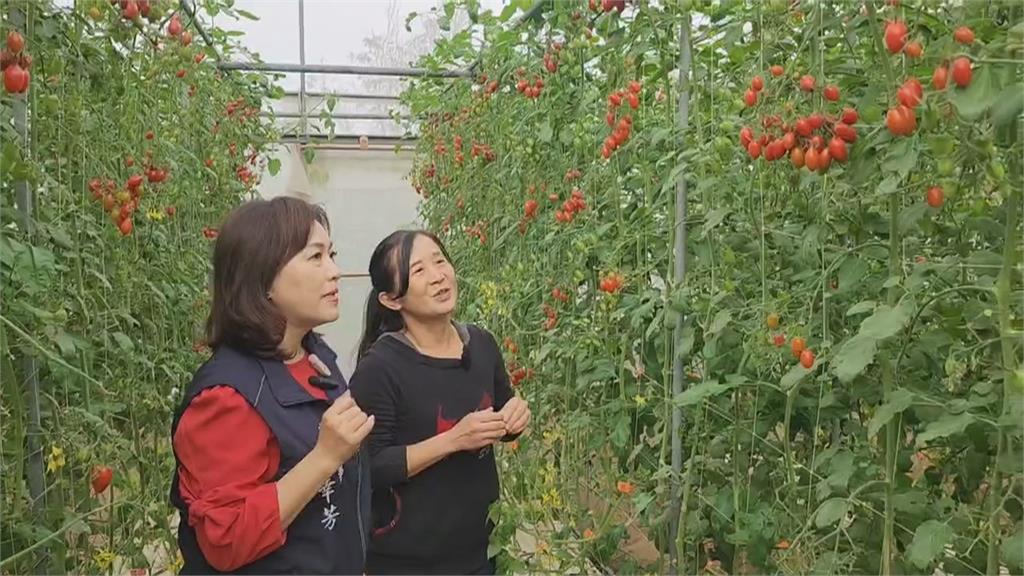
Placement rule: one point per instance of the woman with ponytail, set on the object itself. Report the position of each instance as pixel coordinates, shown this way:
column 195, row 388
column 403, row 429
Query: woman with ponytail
column 440, row 397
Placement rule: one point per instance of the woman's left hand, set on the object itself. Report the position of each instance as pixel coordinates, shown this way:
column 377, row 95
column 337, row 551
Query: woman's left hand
column 516, row 415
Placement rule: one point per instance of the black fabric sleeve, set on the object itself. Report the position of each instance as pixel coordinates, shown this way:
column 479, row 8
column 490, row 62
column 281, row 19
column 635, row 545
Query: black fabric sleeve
column 376, row 394
column 502, row 387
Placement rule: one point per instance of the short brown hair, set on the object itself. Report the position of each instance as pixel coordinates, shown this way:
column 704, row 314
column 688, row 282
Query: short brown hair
column 256, row 240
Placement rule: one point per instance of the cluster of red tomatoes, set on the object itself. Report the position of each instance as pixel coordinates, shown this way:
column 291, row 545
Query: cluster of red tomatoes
column 813, row 141
column 551, row 57
column 121, row 205
column 571, row 207
column 478, row 231
column 550, row 318
column 517, row 374
column 607, row 5
column 901, row 120
column 797, row 346
column 611, row 283
column 624, row 126
column 15, row 64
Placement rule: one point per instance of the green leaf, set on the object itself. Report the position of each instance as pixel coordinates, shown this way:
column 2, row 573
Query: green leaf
column 888, row 186
column 929, row 540
column 841, row 469
column 714, row 218
column 892, row 281
column 42, row 260
column 39, row 313
column 861, row 307
column 913, row 502
column 9, row 249
column 274, row 166
column 851, row 273
column 1008, row 105
column 308, row 154
column 61, row 238
column 793, row 377
column 545, row 133
column 246, row 14
column 898, row 401
column 828, row 562
column 565, row 136
column 65, row 343
column 620, row 434
column 123, row 341
column 685, row 344
column 911, row 215
column 901, row 158
column 887, row 321
column 830, row 512
column 642, row 500
column 700, row 392
column 509, row 11
column 720, row 321
column 973, row 101
column 1012, row 549
column 853, row 357
column 947, row 425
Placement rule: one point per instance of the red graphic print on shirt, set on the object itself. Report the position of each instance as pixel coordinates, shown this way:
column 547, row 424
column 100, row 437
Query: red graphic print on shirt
column 445, row 424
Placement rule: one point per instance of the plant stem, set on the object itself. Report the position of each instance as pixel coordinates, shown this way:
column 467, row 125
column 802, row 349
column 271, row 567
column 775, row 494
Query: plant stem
column 1008, row 361
column 887, row 365
column 888, row 385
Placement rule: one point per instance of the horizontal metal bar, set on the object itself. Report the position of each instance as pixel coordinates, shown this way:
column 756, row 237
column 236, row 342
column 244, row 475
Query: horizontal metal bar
column 343, row 139
column 353, row 147
column 356, row 137
column 339, row 69
column 340, row 115
column 345, row 95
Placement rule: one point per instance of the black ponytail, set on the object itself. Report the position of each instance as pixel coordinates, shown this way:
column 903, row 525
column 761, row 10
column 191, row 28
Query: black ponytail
column 379, row 319
column 389, row 274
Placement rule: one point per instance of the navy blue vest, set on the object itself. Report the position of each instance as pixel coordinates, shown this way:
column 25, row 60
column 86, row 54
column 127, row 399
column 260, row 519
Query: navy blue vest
column 329, row 535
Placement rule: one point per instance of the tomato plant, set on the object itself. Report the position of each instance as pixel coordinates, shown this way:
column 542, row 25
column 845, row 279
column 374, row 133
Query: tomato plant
column 104, row 274
column 886, row 438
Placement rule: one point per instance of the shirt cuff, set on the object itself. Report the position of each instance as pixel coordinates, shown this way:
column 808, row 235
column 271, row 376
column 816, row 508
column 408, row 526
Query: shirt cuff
column 390, row 466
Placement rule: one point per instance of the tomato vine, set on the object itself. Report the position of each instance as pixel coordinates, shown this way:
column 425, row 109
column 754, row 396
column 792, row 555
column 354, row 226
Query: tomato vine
column 134, row 147
column 853, row 361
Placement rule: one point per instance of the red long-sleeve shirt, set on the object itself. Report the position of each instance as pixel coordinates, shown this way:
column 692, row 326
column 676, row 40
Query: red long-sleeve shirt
column 229, row 458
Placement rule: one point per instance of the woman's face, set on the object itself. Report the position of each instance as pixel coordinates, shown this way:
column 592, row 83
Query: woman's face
column 306, row 288
column 433, row 290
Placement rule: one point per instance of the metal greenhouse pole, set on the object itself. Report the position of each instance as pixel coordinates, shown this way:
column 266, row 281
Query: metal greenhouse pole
column 34, row 433
column 678, row 276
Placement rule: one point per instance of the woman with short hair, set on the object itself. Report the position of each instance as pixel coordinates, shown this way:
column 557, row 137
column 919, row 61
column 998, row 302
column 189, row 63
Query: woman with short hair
column 270, row 478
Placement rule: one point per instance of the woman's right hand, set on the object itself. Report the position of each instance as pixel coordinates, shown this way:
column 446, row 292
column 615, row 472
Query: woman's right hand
column 343, row 427
column 477, row 429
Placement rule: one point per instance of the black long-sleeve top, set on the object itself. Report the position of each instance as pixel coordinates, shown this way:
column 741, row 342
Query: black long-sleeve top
column 436, row 521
